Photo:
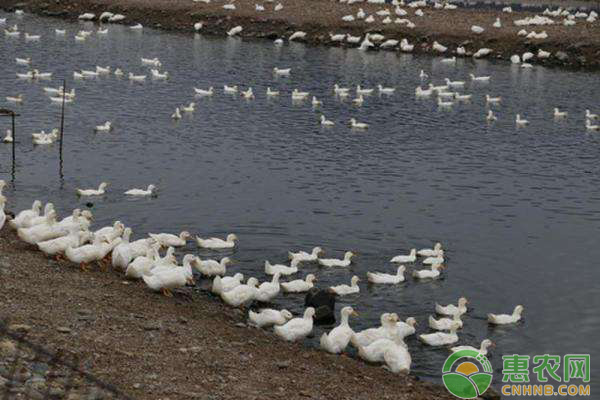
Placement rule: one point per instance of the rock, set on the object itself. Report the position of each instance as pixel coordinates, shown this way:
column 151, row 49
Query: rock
column 84, row 311
column 581, row 60
column 137, row 385
column 240, row 325
column 57, row 392
column 578, row 45
column 22, row 328
column 561, row 55
column 63, row 329
column 153, row 326
column 7, row 348
column 182, row 320
column 195, row 349
column 3, row 381
column 282, row 364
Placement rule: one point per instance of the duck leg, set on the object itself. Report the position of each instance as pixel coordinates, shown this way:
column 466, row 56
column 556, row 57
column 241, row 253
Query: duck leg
column 84, row 267
column 58, row 257
column 166, row 292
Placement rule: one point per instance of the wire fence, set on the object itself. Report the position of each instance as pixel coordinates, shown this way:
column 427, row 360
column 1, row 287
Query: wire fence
column 30, row 371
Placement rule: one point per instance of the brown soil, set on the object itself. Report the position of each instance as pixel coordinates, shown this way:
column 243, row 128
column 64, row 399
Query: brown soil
column 581, row 43
column 188, row 346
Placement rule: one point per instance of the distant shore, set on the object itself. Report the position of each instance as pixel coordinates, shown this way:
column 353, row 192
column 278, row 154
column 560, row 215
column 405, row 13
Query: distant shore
column 573, row 47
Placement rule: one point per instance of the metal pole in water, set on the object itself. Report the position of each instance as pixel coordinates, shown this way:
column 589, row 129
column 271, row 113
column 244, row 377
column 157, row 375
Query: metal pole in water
column 62, row 129
column 14, row 140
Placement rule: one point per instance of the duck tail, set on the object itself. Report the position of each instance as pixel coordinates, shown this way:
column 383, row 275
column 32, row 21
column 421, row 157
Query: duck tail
column 325, row 343
column 151, row 281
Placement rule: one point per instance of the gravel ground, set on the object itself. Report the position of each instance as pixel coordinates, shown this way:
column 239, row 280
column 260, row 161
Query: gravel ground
column 579, row 44
column 148, row 346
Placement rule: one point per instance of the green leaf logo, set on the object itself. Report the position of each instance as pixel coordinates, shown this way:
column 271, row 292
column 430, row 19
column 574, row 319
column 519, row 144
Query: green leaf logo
column 467, row 374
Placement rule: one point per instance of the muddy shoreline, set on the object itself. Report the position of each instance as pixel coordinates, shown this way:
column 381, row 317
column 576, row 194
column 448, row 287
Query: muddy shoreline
column 576, row 47
column 148, row 346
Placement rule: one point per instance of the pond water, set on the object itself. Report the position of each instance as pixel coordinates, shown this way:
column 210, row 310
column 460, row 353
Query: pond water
column 517, row 209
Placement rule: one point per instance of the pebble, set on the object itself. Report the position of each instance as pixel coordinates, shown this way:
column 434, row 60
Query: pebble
column 7, row 348
column 19, row 327
column 63, row 329
column 282, row 364
column 240, row 325
column 153, row 326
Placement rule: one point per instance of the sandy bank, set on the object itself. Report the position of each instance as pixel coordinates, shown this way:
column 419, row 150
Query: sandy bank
column 571, row 47
column 189, row 346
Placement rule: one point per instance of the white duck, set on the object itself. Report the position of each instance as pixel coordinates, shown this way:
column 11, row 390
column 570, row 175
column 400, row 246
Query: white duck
column 397, row 359
column 140, row 247
column 29, row 220
column 483, row 350
column 86, row 254
column 141, row 265
column 216, row 243
column 441, row 338
column 267, row 291
column 326, row 122
column 167, row 280
column 226, row 283
column 444, row 324
column 268, row 317
column 105, row 127
column 42, row 232
column 452, row 309
column 342, row 290
column 358, row 125
column 303, row 256
column 59, row 245
column 230, row 89
column 141, row 192
column 271, row 92
column 433, row 260
column 299, row 285
column 386, row 90
column 436, row 251
column 176, row 114
column 241, row 294
column 432, row 273
column 8, row 138
column 520, row 121
column 504, row 319
column 272, row 269
column 93, row 192
column 333, row 262
column 170, row 240
column 380, row 277
column 412, row 257
column 2, row 214
column 559, row 114
column 111, row 232
column 386, row 330
column 33, row 212
column 297, row 328
column 406, row 328
column 212, row 267
column 121, row 255
column 204, row 92
column 338, row 338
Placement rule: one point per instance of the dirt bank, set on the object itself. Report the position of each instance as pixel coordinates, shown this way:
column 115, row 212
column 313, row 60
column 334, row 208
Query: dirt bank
column 152, row 347
column 571, row 47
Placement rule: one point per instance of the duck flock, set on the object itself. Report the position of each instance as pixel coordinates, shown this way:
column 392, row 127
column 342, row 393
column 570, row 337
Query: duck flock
column 448, row 93
column 74, row 239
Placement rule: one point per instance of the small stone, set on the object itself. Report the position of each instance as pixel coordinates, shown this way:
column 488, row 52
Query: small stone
column 7, row 348
column 240, row 325
column 561, row 55
column 195, row 349
column 63, row 329
column 19, row 328
column 57, row 392
column 153, row 326
column 182, row 320
column 137, row 385
column 581, row 60
column 282, row 364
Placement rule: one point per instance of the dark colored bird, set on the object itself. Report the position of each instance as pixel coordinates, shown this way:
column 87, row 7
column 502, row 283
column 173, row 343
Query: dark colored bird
column 324, row 303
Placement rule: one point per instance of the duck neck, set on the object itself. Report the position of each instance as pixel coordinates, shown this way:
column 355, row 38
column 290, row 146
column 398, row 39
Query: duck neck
column 344, row 321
